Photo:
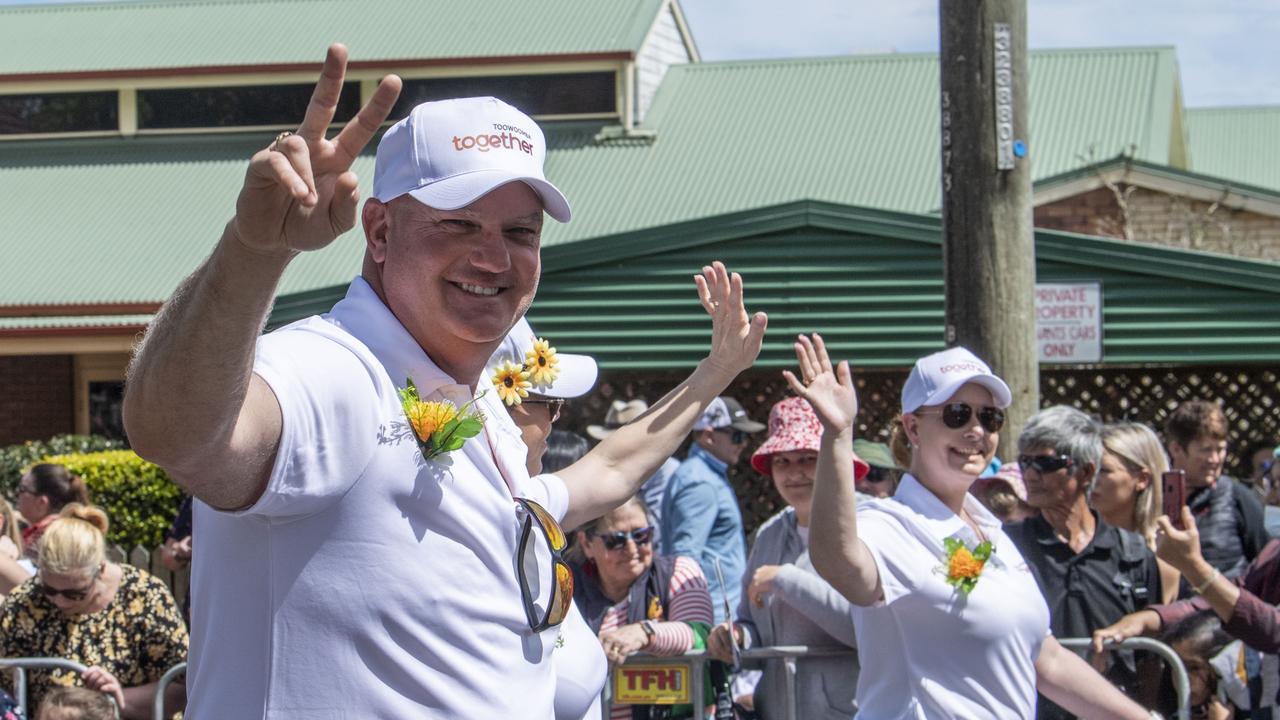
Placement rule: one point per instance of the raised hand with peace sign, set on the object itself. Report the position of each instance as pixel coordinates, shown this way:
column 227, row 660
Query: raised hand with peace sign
column 299, row 193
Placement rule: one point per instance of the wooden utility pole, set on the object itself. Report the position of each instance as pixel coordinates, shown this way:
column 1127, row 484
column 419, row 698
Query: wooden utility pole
column 987, row 247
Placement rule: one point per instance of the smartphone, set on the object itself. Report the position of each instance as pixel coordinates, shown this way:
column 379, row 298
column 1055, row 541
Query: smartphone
column 1173, row 484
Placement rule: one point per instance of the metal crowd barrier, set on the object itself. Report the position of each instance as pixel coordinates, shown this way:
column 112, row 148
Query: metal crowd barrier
column 1181, row 683
column 696, row 661
column 157, row 706
column 20, row 666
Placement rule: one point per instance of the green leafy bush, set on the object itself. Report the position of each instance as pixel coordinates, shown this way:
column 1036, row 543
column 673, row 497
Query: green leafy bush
column 15, row 459
column 138, row 496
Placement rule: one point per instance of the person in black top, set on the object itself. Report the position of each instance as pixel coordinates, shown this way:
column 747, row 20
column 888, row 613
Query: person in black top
column 1229, row 516
column 1091, row 574
column 176, row 551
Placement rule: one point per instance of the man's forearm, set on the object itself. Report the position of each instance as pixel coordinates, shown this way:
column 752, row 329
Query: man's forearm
column 189, row 378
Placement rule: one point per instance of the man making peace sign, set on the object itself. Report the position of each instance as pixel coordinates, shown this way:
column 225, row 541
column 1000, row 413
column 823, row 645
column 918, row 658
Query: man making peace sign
column 353, row 563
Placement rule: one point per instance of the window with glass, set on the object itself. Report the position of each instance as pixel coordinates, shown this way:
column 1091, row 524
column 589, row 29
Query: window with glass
column 230, row 107
column 59, row 113
column 586, row 93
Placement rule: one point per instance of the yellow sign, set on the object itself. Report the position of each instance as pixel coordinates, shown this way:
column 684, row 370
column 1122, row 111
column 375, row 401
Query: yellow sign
column 651, row 684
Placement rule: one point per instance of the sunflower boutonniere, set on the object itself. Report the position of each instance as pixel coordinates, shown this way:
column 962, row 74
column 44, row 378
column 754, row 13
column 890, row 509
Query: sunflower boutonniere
column 439, row 426
column 515, row 377
column 964, row 565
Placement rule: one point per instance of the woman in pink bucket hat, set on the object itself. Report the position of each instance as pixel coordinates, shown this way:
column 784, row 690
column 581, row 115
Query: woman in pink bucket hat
column 784, row 602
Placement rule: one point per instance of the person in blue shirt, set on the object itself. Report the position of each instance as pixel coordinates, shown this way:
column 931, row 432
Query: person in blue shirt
column 700, row 514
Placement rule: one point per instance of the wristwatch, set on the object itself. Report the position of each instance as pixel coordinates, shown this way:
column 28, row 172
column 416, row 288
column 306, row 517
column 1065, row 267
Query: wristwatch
column 649, row 629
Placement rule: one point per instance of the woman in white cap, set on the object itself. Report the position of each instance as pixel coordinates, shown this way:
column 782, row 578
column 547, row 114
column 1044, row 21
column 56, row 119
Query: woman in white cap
column 945, row 604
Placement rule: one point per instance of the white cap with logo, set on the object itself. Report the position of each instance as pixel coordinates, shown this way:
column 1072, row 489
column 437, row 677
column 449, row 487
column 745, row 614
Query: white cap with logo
column 935, row 378
column 449, row 153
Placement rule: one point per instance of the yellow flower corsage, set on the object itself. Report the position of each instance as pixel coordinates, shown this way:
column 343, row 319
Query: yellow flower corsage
column 438, row 425
column 512, row 382
column 539, row 370
column 542, row 364
column 964, row 565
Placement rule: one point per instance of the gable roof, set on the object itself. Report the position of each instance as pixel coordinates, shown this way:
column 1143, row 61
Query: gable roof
column 1242, row 143
column 155, row 35
column 854, row 130
column 1161, row 178
column 114, row 220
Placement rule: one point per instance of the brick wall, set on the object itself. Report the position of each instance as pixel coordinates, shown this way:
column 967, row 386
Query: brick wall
column 36, row 397
column 1165, row 219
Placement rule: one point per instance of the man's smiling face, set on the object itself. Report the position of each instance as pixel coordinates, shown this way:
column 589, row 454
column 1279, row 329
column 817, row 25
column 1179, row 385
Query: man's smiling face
column 457, row 278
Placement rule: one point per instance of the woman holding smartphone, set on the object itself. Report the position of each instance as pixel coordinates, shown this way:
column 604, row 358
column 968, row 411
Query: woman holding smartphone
column 944, row 602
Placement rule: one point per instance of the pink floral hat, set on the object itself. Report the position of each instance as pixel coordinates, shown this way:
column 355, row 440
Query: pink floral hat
column 793, row 426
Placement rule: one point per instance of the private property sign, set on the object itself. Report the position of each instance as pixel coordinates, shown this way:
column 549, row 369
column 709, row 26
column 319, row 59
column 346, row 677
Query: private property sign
column 1069, row 322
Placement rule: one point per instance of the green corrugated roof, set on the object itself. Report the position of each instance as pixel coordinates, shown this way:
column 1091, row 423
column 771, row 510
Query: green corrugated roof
column 857, row 130
column 871, row 282
column 74, row 321
column 96, row 37
column 122, row 220
column 1242, row 143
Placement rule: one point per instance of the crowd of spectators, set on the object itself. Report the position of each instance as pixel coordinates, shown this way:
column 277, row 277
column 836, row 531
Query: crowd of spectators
column 1081, row 501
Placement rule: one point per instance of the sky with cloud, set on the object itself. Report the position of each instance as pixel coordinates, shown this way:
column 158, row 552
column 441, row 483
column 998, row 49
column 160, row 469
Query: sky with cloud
column 1228, row 53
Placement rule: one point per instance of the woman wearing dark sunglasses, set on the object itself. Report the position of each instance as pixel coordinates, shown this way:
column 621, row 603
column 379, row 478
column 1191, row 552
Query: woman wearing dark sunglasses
column 118, row 620
column 634, row 599
column 947, row 627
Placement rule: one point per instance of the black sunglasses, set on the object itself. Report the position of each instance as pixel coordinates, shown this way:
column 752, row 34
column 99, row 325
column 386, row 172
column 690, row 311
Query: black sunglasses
column 554, row 405
column 877, row 474
column 73, row 594
column 737, row 437
column 615, row 540
column 957, row 415
column 1044, row 464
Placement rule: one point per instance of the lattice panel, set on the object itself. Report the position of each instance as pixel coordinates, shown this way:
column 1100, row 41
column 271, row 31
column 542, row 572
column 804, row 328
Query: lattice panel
column 1250, row 397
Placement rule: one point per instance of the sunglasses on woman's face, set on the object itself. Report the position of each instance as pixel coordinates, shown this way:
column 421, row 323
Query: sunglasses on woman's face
column 957, row 415
column 554, row 405
column 1044, row 464
column 616, row 540
column 561, row 596
column 72, row 594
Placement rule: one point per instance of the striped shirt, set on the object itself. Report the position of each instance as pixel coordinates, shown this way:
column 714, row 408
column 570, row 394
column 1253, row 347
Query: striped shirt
column 689, row 601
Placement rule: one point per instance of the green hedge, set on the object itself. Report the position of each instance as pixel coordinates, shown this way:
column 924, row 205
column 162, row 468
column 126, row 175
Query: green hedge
column 138, row 496
column 15, row 459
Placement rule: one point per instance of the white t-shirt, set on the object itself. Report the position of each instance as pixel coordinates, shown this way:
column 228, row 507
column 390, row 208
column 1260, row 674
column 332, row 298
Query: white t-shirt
column 581, row 669
column 368, row 582
column 927, row 651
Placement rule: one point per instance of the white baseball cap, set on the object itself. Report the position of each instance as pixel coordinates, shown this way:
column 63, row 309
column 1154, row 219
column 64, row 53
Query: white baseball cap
column 935, row 378
column 577, row 372
column 449, row 153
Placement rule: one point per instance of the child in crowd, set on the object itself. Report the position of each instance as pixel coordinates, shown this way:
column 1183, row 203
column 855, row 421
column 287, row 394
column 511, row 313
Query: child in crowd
column 76, row 703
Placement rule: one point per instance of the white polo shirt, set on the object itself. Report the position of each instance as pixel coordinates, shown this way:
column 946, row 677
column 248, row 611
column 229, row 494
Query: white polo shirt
column 926, row 650
column 368, row 582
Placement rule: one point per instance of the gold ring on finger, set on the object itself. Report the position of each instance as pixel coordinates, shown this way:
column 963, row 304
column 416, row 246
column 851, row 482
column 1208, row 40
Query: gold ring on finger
column 275, row 145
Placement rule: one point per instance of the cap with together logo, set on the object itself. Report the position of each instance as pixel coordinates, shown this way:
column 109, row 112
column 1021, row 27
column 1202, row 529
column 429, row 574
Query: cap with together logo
column 449, row 153
column 935, row 378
